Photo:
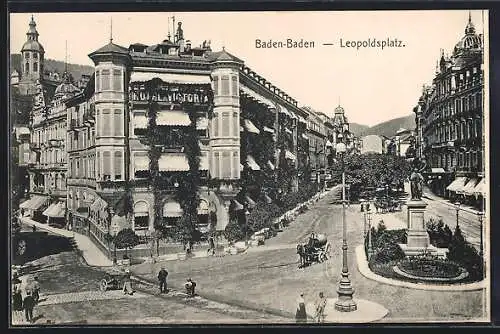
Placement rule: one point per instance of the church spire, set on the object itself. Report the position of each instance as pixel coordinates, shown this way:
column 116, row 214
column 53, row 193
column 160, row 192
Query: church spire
column 111, row 30
column 470, row 29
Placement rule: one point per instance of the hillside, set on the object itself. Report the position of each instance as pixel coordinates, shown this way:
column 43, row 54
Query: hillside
column 357, row 129
column 389, row 128
column 53, row 66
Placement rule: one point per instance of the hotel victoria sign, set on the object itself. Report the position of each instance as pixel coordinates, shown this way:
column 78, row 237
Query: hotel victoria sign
column 171, row 93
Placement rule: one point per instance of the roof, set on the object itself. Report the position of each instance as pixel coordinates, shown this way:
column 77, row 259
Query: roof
column 111, row 48
column 32, row 46
column 223, row 56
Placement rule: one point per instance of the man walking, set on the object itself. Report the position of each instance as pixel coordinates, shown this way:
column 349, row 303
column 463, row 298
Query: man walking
column 320, row 308
column 162, row 278
column 28, row 304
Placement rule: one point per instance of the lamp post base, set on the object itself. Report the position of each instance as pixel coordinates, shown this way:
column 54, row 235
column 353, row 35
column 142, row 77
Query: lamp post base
column 345, row 303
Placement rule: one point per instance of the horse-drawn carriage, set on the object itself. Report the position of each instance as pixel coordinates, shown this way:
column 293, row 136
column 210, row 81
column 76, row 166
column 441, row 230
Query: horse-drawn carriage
column 316, row 250
column 113, row 280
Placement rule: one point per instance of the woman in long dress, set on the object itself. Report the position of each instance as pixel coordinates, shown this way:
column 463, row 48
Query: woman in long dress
column 17, row 302
column 300, row 314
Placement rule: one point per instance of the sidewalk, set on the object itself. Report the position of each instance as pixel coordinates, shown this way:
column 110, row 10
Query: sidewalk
column 430, row 196
column 91, row 253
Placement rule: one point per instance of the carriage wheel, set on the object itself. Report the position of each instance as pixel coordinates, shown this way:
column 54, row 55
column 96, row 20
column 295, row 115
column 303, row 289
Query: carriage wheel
column 103, row 285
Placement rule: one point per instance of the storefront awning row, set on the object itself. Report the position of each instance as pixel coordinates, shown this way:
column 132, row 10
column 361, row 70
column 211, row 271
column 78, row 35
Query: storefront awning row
column 251, row 163
column 457, row 184
column 141, row 209
column 55, row 210
column 256, row 96
column 480, row 188
column 175, row 78
column 250, row 127
column 34, row 203
column 469, row 187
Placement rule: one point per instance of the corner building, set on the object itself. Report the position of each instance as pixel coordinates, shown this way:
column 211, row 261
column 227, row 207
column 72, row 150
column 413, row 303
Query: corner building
column 132, row 128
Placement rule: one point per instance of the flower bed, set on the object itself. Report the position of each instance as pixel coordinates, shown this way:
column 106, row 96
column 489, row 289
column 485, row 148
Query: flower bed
column 435, row 268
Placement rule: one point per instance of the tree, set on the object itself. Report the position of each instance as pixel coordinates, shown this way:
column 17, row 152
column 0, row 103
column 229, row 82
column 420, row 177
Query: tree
column 127, row 239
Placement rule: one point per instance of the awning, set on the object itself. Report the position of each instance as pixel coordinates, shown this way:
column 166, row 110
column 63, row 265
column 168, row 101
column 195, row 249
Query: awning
column 172, row 209
column 328, row 144
column 173, row 118
column 257, row 97
column 26, row 204
column 480, row 188
column 267, row 199
column 141, row 162
column 468, row 189
column 270, row 165
column 289, row 155
column 203, row 208
column 34, row 203
column 202, row 123
column 204, row 162
column 284, row 111
column 287, row 130
column 437, row 170
column 141, row 209
column 171, row 78
column 55, row 210
column 305, row 137
column 251, row 163
column 172, row 162
column 250, row 127
column 457, row 184
column 250, row 201
column 237, row 205
column 140, row 122
column 267, row 129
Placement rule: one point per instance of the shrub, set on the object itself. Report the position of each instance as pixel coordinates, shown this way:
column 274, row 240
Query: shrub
column 440, row 234
column 234, row 231
column 388, row 252
column 463, row 253
column 430, row 267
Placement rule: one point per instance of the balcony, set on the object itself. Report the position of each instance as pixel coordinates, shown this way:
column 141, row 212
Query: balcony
column 81, row 182
column 55, row 142
column 58, row 192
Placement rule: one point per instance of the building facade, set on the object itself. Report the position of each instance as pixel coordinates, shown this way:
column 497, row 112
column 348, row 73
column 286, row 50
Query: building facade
column 450, row 118
column 372, row 144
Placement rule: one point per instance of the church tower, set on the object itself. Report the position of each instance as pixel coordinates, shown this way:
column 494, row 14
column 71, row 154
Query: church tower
column 32, row 57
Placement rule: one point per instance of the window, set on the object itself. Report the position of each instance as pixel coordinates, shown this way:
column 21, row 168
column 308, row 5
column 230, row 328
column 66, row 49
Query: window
column 236, row 165
column 225, row 85
column 106, row 165
column 35, row 56
column 216, row 85
column 215, row 124
column 77, row 167
column 215, row 165
column 27, row 55
column 234, row 82
column 106, row 122
column 225, row 124
column 97, row 81
column 35, row 67
column 98, row 165
column 118, row 165
column 117, row 80
column 118, row 123
column 236, row 125
column 226, row 165
column 27, row 67
column 105, row 77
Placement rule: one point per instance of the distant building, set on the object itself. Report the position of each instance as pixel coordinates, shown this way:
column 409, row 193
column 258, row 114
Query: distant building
column 372, row 144
column 450, row 118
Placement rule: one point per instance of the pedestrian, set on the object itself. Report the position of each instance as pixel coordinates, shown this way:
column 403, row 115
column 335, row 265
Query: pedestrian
column 28, row 304
column 190, row 287
column 162, row 278
column 320, row 308
column 36, row 289
column 127, row 284
column 17, row 301
column 300, row 314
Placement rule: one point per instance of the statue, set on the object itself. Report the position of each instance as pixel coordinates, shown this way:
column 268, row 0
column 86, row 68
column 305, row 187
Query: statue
column 180, row 33
column 417, row 180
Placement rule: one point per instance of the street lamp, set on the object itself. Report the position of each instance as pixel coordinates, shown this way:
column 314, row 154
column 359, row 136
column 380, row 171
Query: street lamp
column 481, row 250
column 370, row 248
column 246, row 227
column 344, row 303
column 457, row 207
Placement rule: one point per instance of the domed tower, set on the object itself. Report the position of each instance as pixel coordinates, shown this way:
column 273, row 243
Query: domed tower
column 32, row 54
column 470, row 41
column 66, row 89
column 340, row 120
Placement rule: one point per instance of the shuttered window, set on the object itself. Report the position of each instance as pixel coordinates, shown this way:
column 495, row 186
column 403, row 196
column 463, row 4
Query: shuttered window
column 106, row 165
column 118, row 165
column 226, row 165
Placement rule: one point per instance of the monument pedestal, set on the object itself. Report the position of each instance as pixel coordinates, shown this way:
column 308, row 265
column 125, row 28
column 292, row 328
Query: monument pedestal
column 418, row 241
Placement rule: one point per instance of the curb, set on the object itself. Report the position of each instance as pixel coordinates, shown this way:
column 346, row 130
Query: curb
column 366, row 272
column 230, row 302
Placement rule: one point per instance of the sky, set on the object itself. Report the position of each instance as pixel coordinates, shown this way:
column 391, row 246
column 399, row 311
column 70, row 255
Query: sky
column 371, row 84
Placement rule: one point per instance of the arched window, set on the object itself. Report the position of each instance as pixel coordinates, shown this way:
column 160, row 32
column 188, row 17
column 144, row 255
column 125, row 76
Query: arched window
column 27, row 67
